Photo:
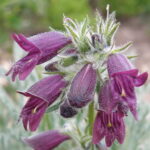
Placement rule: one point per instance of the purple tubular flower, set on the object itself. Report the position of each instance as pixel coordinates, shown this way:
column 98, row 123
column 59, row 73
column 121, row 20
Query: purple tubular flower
column 108, row 125
column 82, row 87
column 118, row 63
column 40, row 48
column 110, row 100
column 125, row 78
column 47, row 140
column 41, row 95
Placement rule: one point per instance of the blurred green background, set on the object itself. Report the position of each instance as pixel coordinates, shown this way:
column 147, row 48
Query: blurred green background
column 33, row 16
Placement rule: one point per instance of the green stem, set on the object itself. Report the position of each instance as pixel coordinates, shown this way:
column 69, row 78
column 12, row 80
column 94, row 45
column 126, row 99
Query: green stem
column 91, row 117
column 99, row 76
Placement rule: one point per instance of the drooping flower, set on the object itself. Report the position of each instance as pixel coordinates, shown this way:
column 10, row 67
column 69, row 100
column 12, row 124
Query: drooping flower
column 125, row 78
column 110, row 100
column 82, row 87
column 67, row 111
column 41, row 48
column 109, row 126
column 47, row 140
column 41, row 95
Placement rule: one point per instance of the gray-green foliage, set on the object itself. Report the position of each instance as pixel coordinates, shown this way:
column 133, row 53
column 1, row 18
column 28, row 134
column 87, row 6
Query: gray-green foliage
column 11, row 130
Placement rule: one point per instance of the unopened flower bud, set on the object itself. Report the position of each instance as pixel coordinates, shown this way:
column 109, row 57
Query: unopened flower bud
column 51, row 67
column 82, row 87
column 67, row 111
column 47, row 140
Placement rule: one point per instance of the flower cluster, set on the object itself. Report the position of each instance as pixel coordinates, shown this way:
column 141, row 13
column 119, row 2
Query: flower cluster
column 84, row 56
column 116, row 97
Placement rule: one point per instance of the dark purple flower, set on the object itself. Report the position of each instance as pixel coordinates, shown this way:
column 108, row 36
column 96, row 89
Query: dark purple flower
column 110, row 100
column 41, row 95
column 82, row 87
column 67, row 111
column 109, row 126
column 125, row 78
column 118, row 63
column 40, row 48
column 47, row 140
column 52, row 67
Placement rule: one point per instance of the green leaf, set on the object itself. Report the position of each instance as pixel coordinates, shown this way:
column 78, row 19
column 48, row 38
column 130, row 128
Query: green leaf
column 56, row 72
column 71, row 31
column 130, row 57
column 69, row 61
column 124, row 47
column 54, row 107
column 111, row 34
column 84, row 25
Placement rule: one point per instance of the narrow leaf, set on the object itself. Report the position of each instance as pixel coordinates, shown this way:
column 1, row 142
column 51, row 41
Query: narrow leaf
column 122, row 48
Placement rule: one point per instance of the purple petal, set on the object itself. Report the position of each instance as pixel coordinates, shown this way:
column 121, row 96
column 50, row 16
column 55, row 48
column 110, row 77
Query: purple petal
column 125, row 87
column 50, row 43
column 41, row 48
column 108, row 125
column 48, row 89
column 120, row 133
column 98, row 129
column 24, row 43
column 41, row 95
column 131, row 101
column 82, row 87
column 24, row 66
column 46, row 140
column 118, row 63
column 32, row 113
column 141, row 79
column 109, row 139
column 132, row 73
column 108, row 97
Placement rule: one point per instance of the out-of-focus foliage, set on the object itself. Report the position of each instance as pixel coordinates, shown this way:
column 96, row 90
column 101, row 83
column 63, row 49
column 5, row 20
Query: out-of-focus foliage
column 31, row 16
column 128, row 8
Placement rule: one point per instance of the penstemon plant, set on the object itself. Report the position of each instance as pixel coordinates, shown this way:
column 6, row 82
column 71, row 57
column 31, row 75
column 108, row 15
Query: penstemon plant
column 87, row 78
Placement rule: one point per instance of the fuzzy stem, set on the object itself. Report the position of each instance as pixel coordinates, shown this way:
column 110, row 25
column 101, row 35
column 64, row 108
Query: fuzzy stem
column 99, row 76
column 91, row 117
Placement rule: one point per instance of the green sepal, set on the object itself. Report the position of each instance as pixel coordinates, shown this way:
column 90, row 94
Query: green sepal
column 131, row 57
column 69, row 61
column 54, row 107
column 124, row 47
column 56, row 72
